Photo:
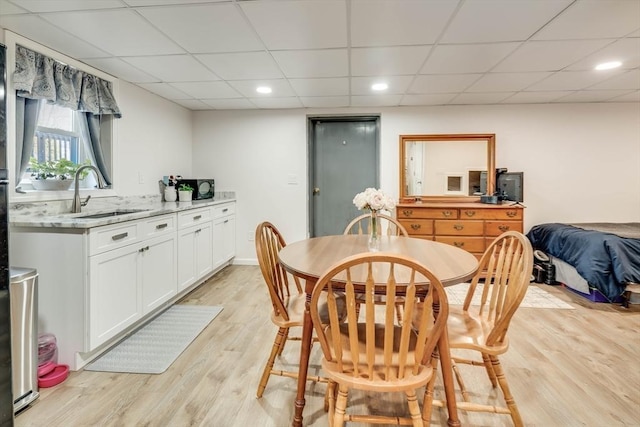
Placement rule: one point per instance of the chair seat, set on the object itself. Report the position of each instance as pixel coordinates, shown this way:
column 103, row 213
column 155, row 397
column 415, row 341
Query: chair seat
column 295, row 308
column 469, row 330
column 382, row 378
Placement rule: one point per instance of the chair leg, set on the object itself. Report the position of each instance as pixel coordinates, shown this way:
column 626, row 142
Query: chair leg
column 330, row 402
column 427, row 404
column 463, row 388
column 490, row 372
column 284, row 342
column 275, row 350
column 399, row 313
column 414, row 408
column 341, row 406
column 508, row 398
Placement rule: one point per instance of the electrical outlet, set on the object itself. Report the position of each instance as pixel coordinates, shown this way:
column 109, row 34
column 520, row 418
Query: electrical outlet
column 250, row 236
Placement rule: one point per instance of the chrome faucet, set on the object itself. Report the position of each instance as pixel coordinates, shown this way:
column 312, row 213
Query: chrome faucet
column 76, row 207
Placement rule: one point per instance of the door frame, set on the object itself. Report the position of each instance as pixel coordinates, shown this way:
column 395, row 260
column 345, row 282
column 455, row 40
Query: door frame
column 311, row 142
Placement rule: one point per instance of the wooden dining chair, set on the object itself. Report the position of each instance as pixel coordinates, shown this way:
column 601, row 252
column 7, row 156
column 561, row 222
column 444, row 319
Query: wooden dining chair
column 388, row 226
column 391, row 227
column 376, row 354
column 481, row 323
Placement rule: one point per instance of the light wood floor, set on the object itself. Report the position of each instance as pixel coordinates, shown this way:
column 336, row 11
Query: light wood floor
column 566, row 368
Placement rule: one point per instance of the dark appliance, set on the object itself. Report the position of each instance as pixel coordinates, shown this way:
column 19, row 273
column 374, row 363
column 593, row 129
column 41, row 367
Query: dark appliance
column 202, row 188
column 543, row 269
column 6, row 393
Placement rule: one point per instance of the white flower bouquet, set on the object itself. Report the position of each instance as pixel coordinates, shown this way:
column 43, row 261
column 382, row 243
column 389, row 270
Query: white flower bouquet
column 374, row 200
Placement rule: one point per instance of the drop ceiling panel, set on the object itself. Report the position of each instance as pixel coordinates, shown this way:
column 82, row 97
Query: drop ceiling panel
column 376, row 100
column 442, row 83
column 387, row 61
column 7, row 8
column 207, row 90
column 173, row 68
column 301, row 24
column 629, row 97
column 549, row 56
column 165, row 90
column 166, row 2
column 230, row 104
column 397, row 84
column 276, row 103
column 205, row 28
column 628, row 80
column 66, row 5
column 320, row 87
column 593, row 19
column 592, row 96
column 313, row 63
column 193, row 104
column 480, row 98
column 469, row 58
column 124, row 70
column 506, row 82
column 480, row 21
column 572, row 80
column 325, row 101
column 242, row 66
column 626, row 51
column 119, row 32
column 280, row 88
column 535, row 97
column 435, row 99
column 397, row 23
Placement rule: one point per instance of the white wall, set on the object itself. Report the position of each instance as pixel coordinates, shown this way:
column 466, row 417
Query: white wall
column 581, row 162
column 154, row 139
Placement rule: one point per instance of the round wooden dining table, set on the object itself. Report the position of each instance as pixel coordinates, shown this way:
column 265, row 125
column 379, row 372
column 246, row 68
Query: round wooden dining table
column 309, row 259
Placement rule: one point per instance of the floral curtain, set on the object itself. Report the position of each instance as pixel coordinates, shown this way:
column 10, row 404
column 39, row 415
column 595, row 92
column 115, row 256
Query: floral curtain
column 38, row 77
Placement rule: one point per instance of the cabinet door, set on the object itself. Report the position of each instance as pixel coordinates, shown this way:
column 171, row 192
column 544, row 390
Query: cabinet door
column 203, row 250
column 114, row 297
column 187, row 257
column 159, row 272
column 224, row 240
column 229, row 237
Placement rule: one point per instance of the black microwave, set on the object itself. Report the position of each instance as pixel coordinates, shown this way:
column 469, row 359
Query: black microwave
column 202, row 188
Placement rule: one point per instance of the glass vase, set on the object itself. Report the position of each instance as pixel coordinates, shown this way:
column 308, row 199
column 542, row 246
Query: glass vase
column 374, row 238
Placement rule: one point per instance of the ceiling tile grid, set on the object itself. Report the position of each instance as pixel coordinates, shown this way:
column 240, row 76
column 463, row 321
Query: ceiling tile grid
column 213, row 54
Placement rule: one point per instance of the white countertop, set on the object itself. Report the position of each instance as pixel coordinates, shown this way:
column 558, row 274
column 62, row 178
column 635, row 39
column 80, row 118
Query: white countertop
column 43, row 216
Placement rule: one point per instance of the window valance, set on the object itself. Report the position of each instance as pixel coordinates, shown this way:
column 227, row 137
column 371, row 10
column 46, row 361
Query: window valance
column 39, row 77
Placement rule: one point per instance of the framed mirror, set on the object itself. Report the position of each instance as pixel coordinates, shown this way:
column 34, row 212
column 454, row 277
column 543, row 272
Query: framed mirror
column 447, row 168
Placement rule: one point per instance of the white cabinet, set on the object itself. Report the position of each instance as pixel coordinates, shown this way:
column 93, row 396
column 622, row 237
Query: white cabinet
column 194, row 246
column 132, row 270
column 224, row 233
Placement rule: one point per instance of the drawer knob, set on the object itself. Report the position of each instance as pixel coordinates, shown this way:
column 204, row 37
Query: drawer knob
column 161, row 226
column 119, row 236
column 407, row 212
column 225, row 209
column 458, row 226
column 446, row 214
column 511, row 214
column 458, row 244
column 197, row 217
column 415, row 227
column 503, row 228
column 470, row 213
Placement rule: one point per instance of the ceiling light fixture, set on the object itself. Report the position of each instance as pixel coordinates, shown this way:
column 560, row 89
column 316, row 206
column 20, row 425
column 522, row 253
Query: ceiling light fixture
column 379, row 86
column 263, row 89
column 608, row 65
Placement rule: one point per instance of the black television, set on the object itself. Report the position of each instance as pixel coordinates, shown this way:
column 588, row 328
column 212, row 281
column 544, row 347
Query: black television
column 509, row 186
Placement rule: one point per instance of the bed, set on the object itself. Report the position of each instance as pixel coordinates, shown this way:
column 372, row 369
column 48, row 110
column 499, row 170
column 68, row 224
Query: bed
column 594, row 259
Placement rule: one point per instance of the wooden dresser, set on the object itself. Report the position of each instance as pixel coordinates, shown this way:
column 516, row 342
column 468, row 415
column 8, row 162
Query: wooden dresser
column 470, row 226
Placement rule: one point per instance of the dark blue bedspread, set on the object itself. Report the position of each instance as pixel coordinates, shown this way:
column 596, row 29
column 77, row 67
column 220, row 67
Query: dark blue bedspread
column 605, row 260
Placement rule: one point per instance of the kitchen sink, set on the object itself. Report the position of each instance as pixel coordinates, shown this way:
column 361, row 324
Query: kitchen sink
column 110, row 214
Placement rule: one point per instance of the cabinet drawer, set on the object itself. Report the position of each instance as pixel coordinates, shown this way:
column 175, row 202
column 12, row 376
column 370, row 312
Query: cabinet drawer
column 496, row 228
column 224, row 210
column 159, row 225
column 433, row 213
column 418, row 226
column 193, row 217
column 112, row 237
column 469, row 244
column 459, row 228
column 491, row 213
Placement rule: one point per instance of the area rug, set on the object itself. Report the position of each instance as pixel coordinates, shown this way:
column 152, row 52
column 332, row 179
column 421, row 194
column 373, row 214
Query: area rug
column 534, row 298
column 154, row 347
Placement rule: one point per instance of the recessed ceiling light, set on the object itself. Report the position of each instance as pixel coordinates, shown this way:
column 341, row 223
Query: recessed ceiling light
column 379, row 86
column 263, row 89
column 608, row 65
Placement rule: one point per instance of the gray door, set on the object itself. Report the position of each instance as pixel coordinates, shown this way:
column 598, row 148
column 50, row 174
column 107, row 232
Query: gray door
column 344, row 161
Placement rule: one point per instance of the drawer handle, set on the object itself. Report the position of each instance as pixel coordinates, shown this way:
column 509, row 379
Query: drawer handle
column 446, row 214
column 470, row 213
column 225, row 209
column 198, row 230
column 161, row 226
column 458, row 226
column 143, row 249
column 119, row 236
column 226, row 221
column 407, row 212
column 511, row 214
column 197, row 217
column 416, row 227
column 503, row 227
column 458, row 244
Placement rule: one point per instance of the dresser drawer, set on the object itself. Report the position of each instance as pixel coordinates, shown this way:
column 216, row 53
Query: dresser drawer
column 418, row 226
column 496, row 228
column 459, row 228
column 433, row 213
column 110, row 237
column 193, row 217
column 224, row 210
column 469, row 244
column 159, row 225
column 515, row 214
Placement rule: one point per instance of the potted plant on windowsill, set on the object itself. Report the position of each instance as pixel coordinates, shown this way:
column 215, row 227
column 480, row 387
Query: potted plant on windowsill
column 185, row 192
column 54, row 175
